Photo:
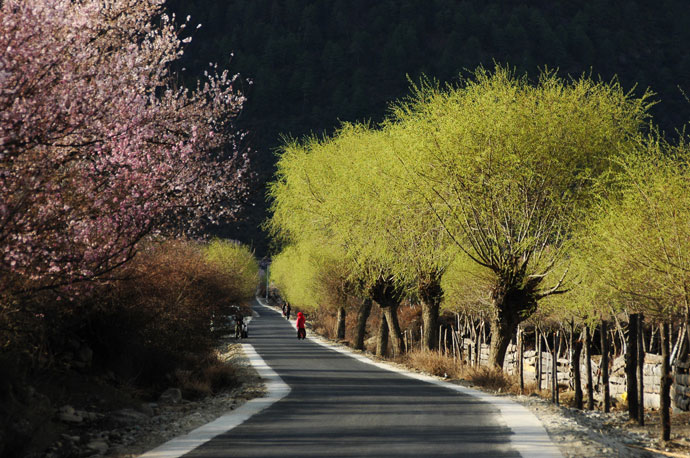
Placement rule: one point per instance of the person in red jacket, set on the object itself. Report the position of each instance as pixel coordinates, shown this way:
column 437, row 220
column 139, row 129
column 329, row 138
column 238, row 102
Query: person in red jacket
column 301, row 331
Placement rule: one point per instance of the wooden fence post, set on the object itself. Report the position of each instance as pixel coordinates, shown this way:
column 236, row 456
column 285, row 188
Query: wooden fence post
column 520, row 350
column 539, row 361
column 605, row 365
column 640, row 369
column 588, row 368
column 665, row 408
column 631, row 367
column 575, row 363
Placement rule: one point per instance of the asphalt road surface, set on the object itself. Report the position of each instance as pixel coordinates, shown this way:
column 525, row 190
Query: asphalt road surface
column 339, row 407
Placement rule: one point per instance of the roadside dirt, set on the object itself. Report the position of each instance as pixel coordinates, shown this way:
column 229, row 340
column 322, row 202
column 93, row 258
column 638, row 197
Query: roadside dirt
column 125, row 430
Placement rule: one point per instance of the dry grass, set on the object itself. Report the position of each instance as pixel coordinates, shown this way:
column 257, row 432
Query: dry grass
column 204, row 376
column 220, row 375
column 441, row 365
column 492, row 378
column 435, row 363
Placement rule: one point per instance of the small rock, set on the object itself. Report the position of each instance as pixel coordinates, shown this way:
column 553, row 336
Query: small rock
column 67, row 414
column 68, row 438
column 171, row 396
column 89, row 416
column 128, row 416
column 146, row 409
column 66, row 409
column 99, row 447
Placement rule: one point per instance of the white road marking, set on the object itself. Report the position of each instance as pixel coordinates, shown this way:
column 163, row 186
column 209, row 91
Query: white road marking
column 276, row 389
column 530, row 438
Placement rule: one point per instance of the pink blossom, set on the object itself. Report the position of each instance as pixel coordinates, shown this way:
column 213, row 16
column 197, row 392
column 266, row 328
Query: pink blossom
column 99, row 149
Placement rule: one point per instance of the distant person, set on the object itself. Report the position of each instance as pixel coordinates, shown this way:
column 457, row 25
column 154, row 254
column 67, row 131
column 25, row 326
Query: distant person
column 301, row 331
column 284, row 312
column 287, row 311
column 239, row 326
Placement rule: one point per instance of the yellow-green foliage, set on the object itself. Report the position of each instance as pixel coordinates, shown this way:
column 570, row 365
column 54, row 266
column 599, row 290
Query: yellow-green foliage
column 507, row 165
column 293, row 271
column 352, row 191
column 467, row 286
column 237, row 263
column 636, row 253
column 311, row 275
column 498, row 168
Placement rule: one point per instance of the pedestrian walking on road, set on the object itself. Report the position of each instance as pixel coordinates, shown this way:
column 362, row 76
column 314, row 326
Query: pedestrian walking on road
column 287, row 310
column 284, row 313
column 301, row 331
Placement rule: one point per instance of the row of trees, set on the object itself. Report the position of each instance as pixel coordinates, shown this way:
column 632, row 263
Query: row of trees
column 499, row 194
column 312, row 68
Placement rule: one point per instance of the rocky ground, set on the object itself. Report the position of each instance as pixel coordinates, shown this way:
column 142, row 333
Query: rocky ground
column 596, row 434
column 131, row 432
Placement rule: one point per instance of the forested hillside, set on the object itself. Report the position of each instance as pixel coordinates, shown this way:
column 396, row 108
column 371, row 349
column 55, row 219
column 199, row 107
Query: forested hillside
column 314, row 63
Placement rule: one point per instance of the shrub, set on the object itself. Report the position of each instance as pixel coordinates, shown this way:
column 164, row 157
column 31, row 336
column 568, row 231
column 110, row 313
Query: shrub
column 158, row 320
column 237, row 264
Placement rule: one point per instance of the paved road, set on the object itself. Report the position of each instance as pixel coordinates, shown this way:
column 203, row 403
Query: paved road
column 340, row 407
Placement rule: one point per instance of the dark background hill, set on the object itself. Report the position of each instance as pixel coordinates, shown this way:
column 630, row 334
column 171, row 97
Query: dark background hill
column 315, row 63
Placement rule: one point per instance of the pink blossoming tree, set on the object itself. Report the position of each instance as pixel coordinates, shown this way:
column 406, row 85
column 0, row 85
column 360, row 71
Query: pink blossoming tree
column 98, row 146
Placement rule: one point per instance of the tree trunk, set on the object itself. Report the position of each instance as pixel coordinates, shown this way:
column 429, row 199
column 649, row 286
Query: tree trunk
column 391, row 314
column 631, row 367
column 388, row 296
column 502, row 329
column 605, row 366
column 640, row 368
column 512, row 304
column 588, row 368
column 577, row 376
column 665, row 408
column 430, row 294
column 340, row 332
column 362, row 317
column 382, row 340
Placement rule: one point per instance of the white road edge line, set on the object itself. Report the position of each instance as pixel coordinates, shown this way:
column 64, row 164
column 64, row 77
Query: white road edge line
column 529, row 437
column 276, row 389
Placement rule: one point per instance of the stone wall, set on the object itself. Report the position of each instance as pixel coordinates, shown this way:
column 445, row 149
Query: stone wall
column 680, row 393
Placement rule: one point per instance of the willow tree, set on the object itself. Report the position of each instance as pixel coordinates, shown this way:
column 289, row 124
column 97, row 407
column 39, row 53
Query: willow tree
column 324, row 191
column 639, row 244
column 415, row 253
column 293, row 271
column 506, row 168
column 350, row 189
column 313, row 274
